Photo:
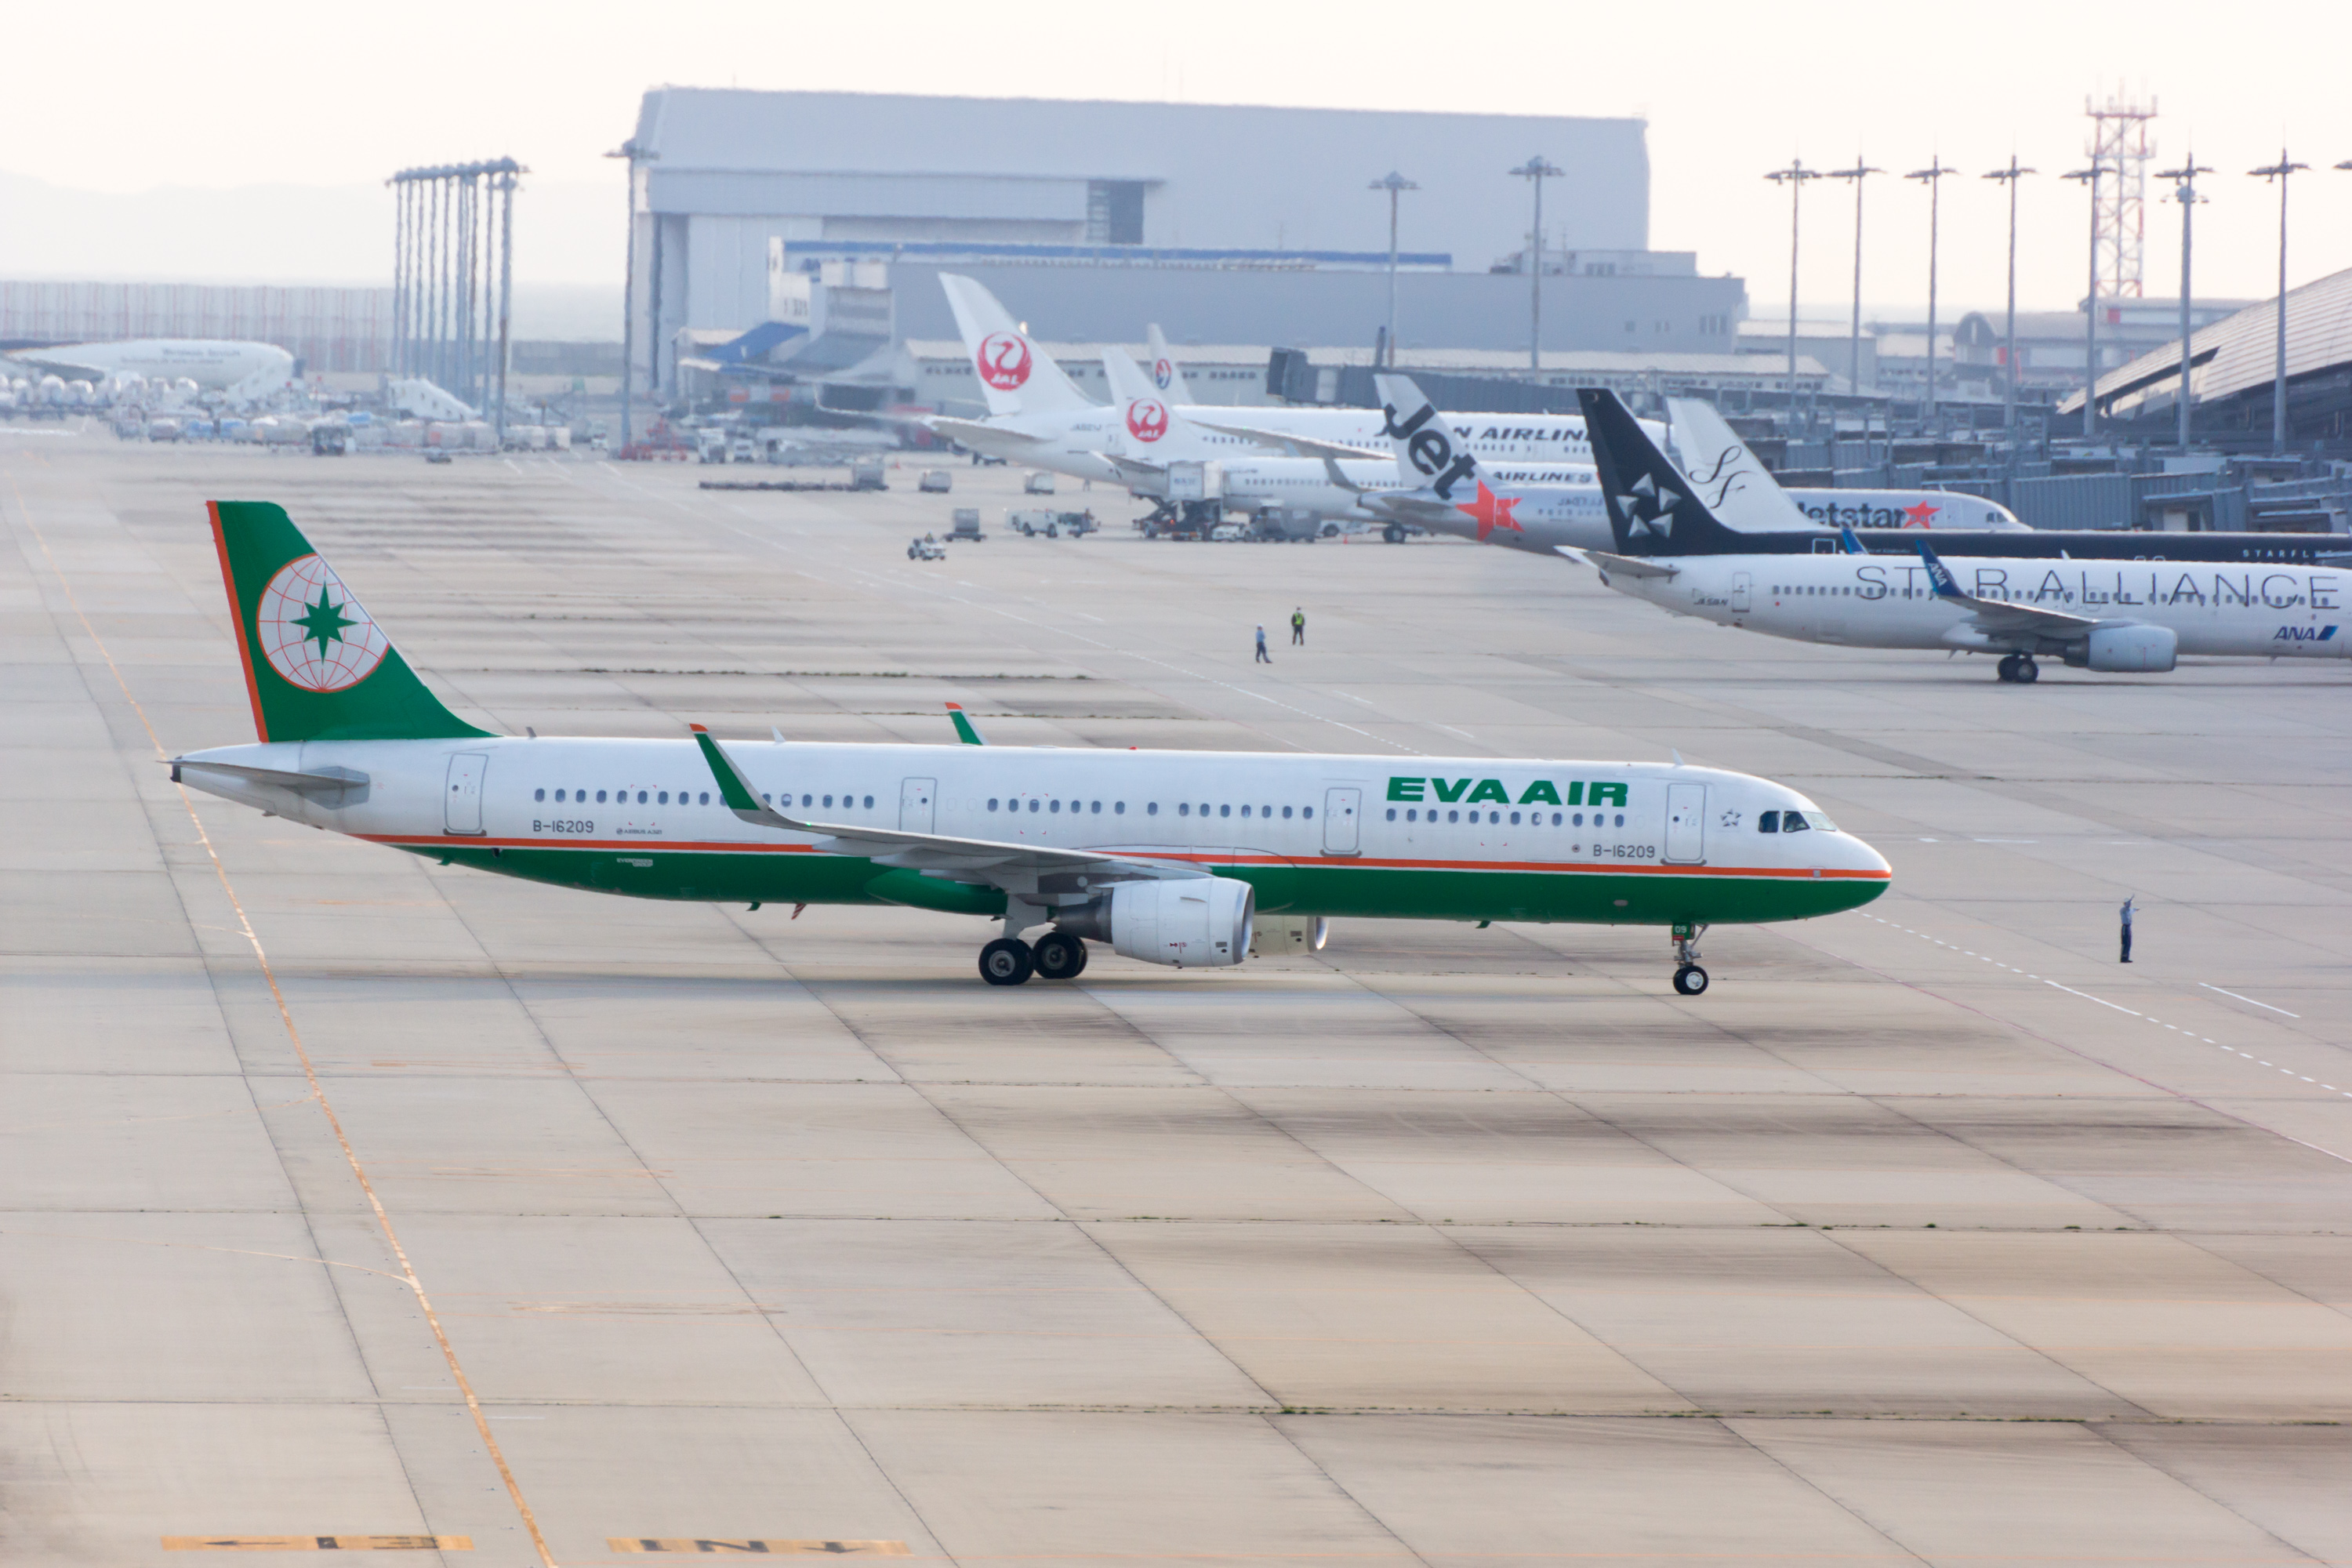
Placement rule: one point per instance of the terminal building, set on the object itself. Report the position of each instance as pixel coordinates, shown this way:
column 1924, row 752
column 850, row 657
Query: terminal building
column 830, row 215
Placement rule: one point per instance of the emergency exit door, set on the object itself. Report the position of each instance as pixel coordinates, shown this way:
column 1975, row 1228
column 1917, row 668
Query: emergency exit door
column 1340, row 828
column 915, row 804
column 1686, row 823
column 1741, row 584
column 462, row 806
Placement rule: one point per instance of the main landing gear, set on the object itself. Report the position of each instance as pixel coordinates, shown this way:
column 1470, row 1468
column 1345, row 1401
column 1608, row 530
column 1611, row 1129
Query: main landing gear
column 1009, row 960
column 1690, row 980
column 2020, row 668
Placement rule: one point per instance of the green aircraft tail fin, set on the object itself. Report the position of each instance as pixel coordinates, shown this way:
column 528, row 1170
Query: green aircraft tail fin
column 317, row 667
column 965, row 729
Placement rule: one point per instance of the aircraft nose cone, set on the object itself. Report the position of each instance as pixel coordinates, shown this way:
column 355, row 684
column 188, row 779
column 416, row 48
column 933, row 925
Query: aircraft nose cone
column 1875, row 875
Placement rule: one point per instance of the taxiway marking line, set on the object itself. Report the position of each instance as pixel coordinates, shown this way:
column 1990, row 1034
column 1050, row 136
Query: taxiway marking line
column 2192, row 1033
column 2280, row 1011
column 301, row 1051
column 318, row 1543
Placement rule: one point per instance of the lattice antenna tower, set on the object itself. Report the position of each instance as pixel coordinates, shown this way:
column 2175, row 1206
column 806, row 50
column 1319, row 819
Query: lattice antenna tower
column 2121, row 148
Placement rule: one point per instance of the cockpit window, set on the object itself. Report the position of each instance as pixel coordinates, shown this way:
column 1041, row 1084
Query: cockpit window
column 1793, row 822
column 1769, row 822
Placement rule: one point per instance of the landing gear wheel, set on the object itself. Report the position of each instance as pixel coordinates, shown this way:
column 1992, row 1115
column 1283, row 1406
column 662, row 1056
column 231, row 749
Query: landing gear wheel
column 1006, row 962
column 1394, row 534
column 2007, row 669
column 2027, row 672
column 1690, row 980
column 1059, row 955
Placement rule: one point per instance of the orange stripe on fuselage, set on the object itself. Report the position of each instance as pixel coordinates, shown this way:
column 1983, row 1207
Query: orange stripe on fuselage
column 723, row 847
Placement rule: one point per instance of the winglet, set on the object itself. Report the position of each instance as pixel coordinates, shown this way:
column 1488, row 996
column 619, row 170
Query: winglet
column 734, row 788
column 966, row 730
column 1939, row 577
column 1850, row 541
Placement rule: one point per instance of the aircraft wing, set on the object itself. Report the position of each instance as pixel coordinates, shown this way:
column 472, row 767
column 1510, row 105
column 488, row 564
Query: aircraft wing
column 1016, row 868
column 2000, row 617
column 50, row 364
column 1626, row 565
column 957, row 429
column 1296, row 446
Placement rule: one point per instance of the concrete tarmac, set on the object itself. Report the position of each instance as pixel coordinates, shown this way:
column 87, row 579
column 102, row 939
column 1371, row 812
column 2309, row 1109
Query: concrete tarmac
column 348, row 1199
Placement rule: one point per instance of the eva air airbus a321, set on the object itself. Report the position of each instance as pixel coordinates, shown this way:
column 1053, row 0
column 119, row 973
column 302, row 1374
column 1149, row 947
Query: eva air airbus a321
column 1174, row 857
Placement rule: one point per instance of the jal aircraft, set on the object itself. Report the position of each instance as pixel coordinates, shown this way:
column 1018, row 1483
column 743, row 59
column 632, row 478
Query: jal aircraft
column 1173, row 858
column 2116, row 615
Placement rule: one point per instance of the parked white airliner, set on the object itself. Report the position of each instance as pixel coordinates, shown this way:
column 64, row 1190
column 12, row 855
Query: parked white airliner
column 2113, row 616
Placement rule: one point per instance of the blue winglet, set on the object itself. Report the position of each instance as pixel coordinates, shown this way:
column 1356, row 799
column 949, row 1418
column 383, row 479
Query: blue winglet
column 1852, row 541
column 1939, row 577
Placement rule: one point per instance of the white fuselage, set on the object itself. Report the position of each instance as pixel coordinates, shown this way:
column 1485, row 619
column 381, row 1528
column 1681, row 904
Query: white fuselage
column 212, row 364
column 1885, row 601
column 620, row 795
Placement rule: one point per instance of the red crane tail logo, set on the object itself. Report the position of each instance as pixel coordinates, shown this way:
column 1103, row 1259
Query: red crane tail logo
column 1003, row 361
column 1147, row 419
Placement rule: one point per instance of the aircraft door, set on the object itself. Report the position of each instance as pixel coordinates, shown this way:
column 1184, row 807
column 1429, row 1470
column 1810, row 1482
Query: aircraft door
column 1686, row 823
column 916, row 801
column 462, row 806
column 1341, row 808
column 1741, row 583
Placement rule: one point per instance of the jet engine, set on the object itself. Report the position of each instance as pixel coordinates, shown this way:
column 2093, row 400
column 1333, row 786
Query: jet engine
column 2125, row 648
column 1194, row 922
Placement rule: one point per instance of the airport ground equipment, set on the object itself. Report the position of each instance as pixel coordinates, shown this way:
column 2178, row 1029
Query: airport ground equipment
column 935, row 482
column 1039, row 483
column 926, row 547
column 1167, row 856
column 866, row 474
column 966, row 530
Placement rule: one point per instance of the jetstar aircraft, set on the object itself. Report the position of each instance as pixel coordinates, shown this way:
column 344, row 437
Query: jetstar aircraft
column 1167, row 856
column 2131, row 616
column 1747, row 499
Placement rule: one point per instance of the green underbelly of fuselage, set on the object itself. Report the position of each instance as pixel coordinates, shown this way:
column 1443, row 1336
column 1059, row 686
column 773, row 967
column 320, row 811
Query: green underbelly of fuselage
column 1601, row 896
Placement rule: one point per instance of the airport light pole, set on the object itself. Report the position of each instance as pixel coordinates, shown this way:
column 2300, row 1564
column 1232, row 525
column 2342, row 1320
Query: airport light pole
column 2090, row 178
column 1794, row 176
column 2282, row 171
column 1535, row 172
column 1395, row 185
column 2184, row 191
column 628, row 150
column 1859, row 172
column 1932, row 177
column 2009, row 177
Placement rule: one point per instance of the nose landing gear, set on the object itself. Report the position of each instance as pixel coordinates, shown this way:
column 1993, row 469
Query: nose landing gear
column 1690, row 980
column 2020, row 668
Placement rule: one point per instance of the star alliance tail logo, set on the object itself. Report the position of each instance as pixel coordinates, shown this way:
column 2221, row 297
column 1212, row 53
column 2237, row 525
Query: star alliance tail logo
column 1649, row 508
column 313, row 632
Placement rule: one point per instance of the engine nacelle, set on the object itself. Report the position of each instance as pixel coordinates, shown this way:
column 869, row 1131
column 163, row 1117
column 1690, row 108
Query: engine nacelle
column 2127, row 649
column 1276, row 934
column 1193, row 922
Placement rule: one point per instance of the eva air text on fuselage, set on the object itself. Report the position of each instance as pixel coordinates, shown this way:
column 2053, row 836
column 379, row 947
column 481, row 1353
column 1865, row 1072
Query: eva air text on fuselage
column 1542, row 792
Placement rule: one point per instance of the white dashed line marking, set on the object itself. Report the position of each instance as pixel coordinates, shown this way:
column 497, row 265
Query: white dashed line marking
column 1980, row 958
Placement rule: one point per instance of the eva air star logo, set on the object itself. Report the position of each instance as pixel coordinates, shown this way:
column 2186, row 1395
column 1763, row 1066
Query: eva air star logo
column 313, row 632
column 1649, row 508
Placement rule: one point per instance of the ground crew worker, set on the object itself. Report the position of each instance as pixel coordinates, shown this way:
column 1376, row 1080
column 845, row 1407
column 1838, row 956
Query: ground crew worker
column 2126, row 914
column 1263, row 656
column 1298, row 628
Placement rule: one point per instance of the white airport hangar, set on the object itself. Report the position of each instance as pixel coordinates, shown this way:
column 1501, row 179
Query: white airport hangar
column 1224, row 224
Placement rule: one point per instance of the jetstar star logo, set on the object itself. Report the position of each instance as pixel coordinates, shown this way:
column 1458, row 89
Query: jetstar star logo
column 1147, row 419
column 1491, row 511
column 1004, row 361
column 1429, row 448
column 1162, row 372
column 313, row 632
column 1921, row 516
column 1649, row 508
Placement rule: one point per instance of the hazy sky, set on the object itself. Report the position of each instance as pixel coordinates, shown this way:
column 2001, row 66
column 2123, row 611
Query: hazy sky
column 129, row 97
